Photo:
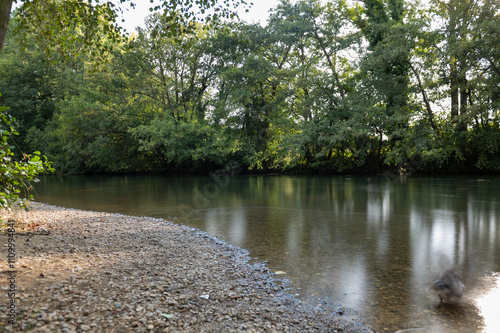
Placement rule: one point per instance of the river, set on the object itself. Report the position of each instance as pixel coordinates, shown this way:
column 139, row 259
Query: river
column 372, row 244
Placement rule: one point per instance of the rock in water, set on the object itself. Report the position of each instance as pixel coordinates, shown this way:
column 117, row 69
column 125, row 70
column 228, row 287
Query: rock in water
column 449, row 287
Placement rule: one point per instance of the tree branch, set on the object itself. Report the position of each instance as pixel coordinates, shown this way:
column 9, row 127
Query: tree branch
column 426, row 100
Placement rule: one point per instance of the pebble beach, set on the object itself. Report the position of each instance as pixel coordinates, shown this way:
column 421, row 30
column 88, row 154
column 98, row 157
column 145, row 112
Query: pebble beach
column 83, row 271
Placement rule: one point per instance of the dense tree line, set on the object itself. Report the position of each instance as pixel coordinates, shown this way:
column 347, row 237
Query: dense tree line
column 329, row 87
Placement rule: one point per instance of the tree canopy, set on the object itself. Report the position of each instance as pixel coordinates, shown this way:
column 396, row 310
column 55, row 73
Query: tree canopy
column 71, row 32
column 325, row 86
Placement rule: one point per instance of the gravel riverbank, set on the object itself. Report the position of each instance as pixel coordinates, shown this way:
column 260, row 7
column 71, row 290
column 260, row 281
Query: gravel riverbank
column 82, row 271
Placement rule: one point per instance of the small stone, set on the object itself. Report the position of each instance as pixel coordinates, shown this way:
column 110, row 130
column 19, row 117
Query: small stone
column 69, row 317
column 85, row 328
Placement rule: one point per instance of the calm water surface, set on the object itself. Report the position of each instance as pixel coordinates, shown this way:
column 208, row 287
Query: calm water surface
column 371, row 244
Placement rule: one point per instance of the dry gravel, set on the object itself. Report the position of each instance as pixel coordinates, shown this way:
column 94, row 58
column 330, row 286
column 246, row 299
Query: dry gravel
column 81, row 271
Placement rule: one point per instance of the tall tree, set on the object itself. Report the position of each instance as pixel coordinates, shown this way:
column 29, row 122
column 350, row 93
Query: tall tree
column 388, row 59
column 255, row 81
column 384, row 82
column 174, row 72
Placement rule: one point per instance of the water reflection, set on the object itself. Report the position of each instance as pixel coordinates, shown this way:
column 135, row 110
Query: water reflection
column 372, row 244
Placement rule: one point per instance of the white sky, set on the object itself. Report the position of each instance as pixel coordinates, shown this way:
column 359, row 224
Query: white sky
column 259, row 12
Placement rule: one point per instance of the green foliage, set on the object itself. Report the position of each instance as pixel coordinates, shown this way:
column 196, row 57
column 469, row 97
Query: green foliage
column 28, row 87
column 75, row 28
column 328, row 87
column 15, row 175
column 64, row 28
column 88, row 136
column 89, row 130
column 485, row 156
column 185, row 147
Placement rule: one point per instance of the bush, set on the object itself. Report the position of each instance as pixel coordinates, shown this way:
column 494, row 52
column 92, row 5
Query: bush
column 16, row 175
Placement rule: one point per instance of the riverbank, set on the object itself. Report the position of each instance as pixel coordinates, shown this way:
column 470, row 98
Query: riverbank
column 83, row 271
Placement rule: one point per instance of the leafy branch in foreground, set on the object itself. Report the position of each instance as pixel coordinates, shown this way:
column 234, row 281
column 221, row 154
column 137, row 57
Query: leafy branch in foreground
column 16, row 175
column 71, row 28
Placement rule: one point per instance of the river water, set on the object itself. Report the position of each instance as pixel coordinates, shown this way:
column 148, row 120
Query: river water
column 374, row 245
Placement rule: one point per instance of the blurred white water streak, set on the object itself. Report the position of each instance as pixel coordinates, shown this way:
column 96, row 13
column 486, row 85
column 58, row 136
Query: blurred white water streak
column 488, row 306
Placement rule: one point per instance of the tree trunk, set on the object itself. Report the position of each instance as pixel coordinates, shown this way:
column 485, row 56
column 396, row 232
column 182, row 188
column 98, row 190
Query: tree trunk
column 331, row 64
column 425, row 98
column 5, row 7
column 463, row 103
column 454, row 95
column 452, row 43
